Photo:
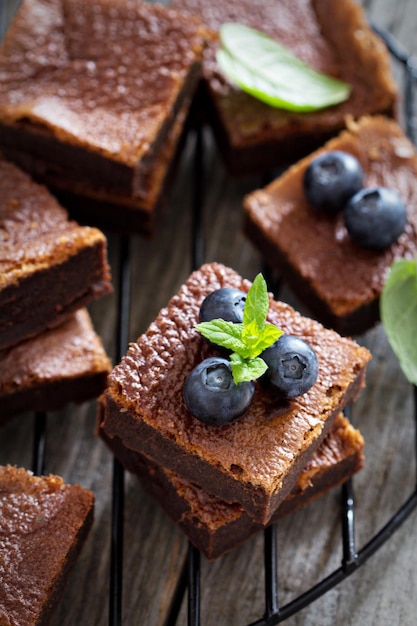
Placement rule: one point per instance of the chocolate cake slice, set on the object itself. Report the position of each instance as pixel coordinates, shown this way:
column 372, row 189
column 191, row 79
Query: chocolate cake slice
column 256, row 460
column 331, row 37
column 214, row 526
column 44, row 523
column 337, row 279
column 62, row 365
column 49, row 266
column 90, row 93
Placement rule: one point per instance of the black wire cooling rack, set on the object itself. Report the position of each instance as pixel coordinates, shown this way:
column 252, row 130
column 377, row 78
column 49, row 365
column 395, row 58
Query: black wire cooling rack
column 190, row 579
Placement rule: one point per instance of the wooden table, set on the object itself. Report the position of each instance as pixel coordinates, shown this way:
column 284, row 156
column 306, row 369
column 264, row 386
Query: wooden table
column 381, row 592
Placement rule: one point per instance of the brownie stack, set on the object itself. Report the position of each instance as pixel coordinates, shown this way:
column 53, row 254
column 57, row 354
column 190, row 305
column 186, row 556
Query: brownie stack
column 51, row 268
column 222, row 483
column 93, row 101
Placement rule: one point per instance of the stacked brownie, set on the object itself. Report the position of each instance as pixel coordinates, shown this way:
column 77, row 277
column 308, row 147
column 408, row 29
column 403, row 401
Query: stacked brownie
column 339, row 281
column 331, row 37
column 43, row 526
column 51, row 269
column 215, row 526
column 248, row 469
column 93, row 101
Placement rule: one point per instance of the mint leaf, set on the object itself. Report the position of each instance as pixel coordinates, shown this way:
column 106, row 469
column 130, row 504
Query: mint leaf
column 270, row 72
column 257, row 342
column 247, row 340
column 398, row 308
column 257, row 333
column 225, row 334
column 256, row 304
column 250, row 334
column 269, row 335
column 246, row 369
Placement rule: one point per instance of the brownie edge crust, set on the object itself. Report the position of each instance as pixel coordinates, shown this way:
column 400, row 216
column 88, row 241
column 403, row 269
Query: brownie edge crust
column 256, row 460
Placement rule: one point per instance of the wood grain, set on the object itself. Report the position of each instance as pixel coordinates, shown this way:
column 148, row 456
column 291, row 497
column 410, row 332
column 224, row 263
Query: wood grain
column 380, row 593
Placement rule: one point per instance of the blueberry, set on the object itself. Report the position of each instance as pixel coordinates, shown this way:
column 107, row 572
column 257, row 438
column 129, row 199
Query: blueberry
column 331, row 179
column 292, row 366
column 225, row 303
column 375, row 217
column 211, row 394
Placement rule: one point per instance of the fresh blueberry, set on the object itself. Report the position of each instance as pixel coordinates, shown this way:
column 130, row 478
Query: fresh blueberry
column 375, row 217
column 211, row 394
column 226, row 303
column 292, row 366
column 331, row 179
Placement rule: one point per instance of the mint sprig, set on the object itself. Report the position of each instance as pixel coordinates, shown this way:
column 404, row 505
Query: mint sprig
column 248, row 339
column 398, row 308
column 273, row 74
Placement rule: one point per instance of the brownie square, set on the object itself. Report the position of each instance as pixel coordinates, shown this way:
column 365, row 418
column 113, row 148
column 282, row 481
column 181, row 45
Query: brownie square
column 332, row 37
column 49, row 266
column 255, row 461
column 214, row 526
column 90, row 93
column 62, row 365
column 339, row 281
column 143, row 213
column 44, row 523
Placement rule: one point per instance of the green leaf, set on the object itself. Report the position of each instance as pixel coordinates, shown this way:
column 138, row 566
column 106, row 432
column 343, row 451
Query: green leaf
column 268, row 336
column 256, row 304
column 225, row 334
column 270, row 72
column 250, row 335
column 264, row 338
column 398, row 308
column 246, row 369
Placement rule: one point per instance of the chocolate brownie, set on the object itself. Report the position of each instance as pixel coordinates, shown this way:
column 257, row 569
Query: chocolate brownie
column 62, row 365
column 90, row 92
column 332, row 37
column 43, row 526
column 256, row 460
column 143, row 213
column 337, row 279
column 49, row 266
column 216, row 527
